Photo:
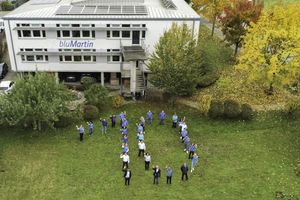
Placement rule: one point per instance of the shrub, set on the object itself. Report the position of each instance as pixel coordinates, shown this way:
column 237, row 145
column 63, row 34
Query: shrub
column 293, row 109
column 117, row 101
column 232, row 109
column 204, row 103
column 216, row 109
column 208, row 78
column 96, row 95
column 154, row 94
column 246, row 112
column 7, row 6
column 90, row 112
column 68, row 119
column 87, row 81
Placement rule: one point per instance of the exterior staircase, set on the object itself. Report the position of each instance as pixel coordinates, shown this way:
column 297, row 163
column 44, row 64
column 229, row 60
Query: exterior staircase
column 140, row 87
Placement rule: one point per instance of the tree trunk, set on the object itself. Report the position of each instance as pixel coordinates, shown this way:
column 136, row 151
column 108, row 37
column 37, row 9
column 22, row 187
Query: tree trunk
column 213, row 26
column 236, row 48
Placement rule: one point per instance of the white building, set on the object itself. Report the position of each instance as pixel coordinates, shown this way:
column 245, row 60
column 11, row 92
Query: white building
column 110, row 39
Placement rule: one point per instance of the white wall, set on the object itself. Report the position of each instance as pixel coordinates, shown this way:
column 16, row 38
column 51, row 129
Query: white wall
column 154, row 30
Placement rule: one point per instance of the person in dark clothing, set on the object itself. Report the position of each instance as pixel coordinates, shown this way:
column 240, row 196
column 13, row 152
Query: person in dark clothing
column 127, row 176
column 156, row 174
column 184, row 171
column 113, row 119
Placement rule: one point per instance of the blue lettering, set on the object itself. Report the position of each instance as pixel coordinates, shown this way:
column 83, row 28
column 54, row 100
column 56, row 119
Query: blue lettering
column 75, row 44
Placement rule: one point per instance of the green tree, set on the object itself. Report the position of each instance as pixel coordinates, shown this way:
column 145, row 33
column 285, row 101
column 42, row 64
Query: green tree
column 96, row 95
column 236, row 20
column 7, row 6
column 176, row 62
column 270, row 55
column 3, row 46
column 34, row 101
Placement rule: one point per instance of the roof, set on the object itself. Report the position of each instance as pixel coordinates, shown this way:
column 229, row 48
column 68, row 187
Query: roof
column 133, row 53
column 155, row 9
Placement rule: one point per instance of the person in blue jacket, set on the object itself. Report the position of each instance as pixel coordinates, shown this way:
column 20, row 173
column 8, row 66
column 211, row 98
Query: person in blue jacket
column 169, row 174
column 91, row 127
column 192, row 149
column 81, row 132
column 104, row 125
column 194, row 162
column 162, row 117
column 149, row 117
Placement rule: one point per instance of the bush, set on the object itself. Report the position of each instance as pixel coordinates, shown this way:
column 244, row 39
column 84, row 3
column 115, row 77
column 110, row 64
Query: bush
column 232, row 109
column 87, row 81
column 7, row 6
column 153, row 94
column 96, row 95
column 90, row 112
column 117, row 101
column 216, row 109
column 208, row 78
column 246, row 112
column 68, row 119
column 204, row 103
column 293, row 109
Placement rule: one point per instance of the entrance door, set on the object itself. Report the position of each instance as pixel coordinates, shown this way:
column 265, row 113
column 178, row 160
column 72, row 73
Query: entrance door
column 135, row 37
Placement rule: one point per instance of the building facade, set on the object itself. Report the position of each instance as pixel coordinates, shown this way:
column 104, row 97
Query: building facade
column 110, row 39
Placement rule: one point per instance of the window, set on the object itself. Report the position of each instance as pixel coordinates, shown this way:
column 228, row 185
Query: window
column 75, row 25
column 75, row 33
column 125, row 25
column 115, row 58
column 44, row 33
column 58, row 34
column 94, row 58
column 26, row 33
column 23, row 57
column 36, row 33
column 116, row 34
column 60, row 58
column 46, row 58
column 87, row 58
column 93, row 34
column 57, row 25
column 143, row 34
column 30, row 58
column 68, row 58
column 39, row 58
column 85, row 33
column 125, row 34
column 19, row 34
column 107, row 25
column 77, row 58
column 108, row 34
column 108, row 58
column 143, row 25
column 66, row 33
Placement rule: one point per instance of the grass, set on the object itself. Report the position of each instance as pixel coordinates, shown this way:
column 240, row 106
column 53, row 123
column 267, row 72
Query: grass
column 239, row 160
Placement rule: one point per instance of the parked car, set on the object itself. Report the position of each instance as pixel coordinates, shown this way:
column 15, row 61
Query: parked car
column 70, row 78
column 3, row 70
column 6, row 87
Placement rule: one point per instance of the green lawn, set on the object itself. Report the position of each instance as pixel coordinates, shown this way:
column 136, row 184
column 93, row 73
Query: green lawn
column 270, row 3
column 240, row 161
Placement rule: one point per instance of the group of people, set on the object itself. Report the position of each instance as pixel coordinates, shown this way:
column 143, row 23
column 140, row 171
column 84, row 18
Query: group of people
column 189, row 148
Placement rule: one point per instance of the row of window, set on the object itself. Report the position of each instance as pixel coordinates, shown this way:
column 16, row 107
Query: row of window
column 32, row 33
column 84, row 25
column 77, row 58
column 34, row 58
column 75, row 34
column 124, row 34
column 70, row 50
column 69, row 58
column 33, row 50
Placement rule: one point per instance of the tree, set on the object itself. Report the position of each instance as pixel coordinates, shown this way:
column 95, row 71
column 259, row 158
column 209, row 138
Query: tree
column 272, row 47
column 35, row 100
column 96, row 95
column 3, row 46
column 7, row 6
column 188, row 1
column 210, row 9
column 236, row 20
column 176, row 62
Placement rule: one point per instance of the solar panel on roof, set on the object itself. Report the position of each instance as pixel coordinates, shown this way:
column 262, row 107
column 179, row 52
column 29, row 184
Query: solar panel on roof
column 76, row 10
column 63, row 10
column 102, row 10
column 115, row 10
column 127, row 9
column 101, row 2
column 169, row 4
column 89, row 10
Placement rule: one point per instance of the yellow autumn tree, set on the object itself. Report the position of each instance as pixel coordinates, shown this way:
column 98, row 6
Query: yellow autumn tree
column 210, row 8
column 271, row 52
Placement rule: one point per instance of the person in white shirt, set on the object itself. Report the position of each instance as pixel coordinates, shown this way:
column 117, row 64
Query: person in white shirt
column 125, row 158
column 142, row 148
column 147, row 160
column 127, row 176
